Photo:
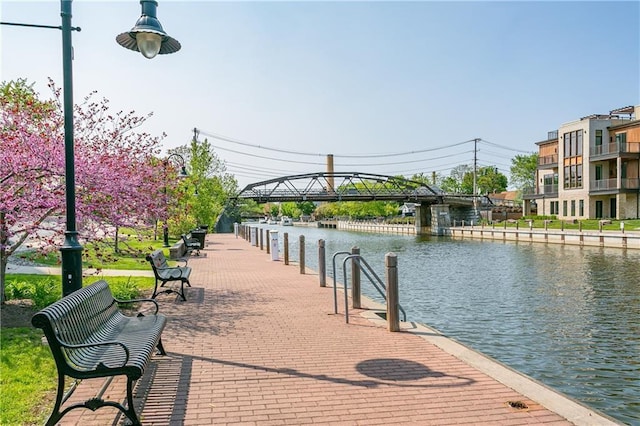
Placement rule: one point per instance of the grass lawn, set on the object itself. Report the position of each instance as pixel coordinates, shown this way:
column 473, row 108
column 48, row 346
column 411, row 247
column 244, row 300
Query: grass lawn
column 587, row 225
column 133, row 249
column 28, row 380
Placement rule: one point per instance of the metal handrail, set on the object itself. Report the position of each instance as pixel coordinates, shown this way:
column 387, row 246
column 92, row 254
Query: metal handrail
column 335, row 291
column 368, row 272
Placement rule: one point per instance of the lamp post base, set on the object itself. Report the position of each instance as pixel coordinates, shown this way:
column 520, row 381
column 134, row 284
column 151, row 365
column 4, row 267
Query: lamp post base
column 71, row 252
column 165, row 231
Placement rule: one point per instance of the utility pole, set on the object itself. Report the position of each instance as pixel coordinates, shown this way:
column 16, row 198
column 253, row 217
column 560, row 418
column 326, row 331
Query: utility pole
column 475, row 175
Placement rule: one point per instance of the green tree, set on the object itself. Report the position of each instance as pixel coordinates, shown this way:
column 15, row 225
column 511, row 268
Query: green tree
column 454, row 182
column 205, row 192
column 290, row 209
column 488, row 180
column 306, row 207
column 274, row 210
column 427, row 179
column 523, row 171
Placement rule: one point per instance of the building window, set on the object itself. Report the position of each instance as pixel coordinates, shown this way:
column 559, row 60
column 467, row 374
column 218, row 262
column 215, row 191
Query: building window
column 581, row 208
column 579, row 142
column 598, row 137
column 573, row 159
column 579, row 175
column 573, row 207
column 564, row 208
column 554, row 207
column 599, row 172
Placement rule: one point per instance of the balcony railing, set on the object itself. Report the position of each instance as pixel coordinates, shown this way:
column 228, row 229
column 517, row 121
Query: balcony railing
column 542, row 190
column 616, row 148
column 606, row 184
column 631, row 183
column 548, row 160
column 603, row 184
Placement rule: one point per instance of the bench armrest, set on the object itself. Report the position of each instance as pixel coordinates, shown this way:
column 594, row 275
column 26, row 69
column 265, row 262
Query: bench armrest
column 93, row 345
column 172, row 270
column 183, row 259
column 118, row 301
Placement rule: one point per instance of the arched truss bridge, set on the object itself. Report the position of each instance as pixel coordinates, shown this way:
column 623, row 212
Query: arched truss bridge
column 347, row 186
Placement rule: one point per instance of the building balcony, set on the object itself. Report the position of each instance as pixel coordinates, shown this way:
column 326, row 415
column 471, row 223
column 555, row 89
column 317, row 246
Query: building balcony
column 612, row 184
column 630, row 183
column 540, row 192
column 614, row 149
column 548, row 161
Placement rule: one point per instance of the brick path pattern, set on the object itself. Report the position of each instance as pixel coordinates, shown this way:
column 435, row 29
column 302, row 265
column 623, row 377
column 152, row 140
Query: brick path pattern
column 257, row 343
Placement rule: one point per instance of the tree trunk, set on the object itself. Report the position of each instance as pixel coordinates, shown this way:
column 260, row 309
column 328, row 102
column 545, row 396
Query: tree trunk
column 3, row 255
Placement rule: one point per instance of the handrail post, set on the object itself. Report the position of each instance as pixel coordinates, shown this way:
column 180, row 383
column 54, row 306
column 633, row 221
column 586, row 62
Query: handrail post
column 286, row 247
column 322, row 264
column 355, row 279
column 393, row 317
column 301, row 258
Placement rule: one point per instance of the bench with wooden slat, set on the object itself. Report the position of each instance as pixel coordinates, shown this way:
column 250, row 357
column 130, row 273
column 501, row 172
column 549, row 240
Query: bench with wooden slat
column 90, row 337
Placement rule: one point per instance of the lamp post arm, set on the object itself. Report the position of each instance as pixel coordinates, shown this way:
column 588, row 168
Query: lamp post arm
column 52, row 27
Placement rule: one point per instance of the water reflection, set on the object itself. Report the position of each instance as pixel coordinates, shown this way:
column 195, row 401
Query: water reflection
column 565, row 315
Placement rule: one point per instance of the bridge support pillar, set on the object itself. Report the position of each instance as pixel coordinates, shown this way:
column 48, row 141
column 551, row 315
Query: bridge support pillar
column 423, row 219
column 440, row 219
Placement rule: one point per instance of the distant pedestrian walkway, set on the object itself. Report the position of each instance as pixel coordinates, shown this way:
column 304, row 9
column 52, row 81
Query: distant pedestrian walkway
column 256, row 343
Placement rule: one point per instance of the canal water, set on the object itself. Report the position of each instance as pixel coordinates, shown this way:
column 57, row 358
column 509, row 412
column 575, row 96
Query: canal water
column 564, row 315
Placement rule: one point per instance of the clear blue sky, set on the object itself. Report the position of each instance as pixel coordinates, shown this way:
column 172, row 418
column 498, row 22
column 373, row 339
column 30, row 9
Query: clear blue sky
column 347, row 78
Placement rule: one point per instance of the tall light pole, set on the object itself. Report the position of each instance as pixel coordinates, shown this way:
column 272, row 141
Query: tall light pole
column 148, row 38
column 182, row 174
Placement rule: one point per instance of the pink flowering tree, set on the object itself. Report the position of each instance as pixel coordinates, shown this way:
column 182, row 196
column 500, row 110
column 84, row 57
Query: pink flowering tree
column 118, row 181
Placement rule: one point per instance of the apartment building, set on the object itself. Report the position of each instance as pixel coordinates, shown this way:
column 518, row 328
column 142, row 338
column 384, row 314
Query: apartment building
column 590, row 168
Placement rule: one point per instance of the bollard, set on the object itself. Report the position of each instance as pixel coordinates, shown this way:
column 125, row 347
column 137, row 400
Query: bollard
column 273, row 237
column 600, row 226
column 393, row 316
column 322, row 264
column 355, row 279
column 580, row 226
column 286, row 248
column 268, row 242
column 301, row 258
column 261, row 239
column 622, row 227
column 562, row 225
column 254, row 237
column 235, row 229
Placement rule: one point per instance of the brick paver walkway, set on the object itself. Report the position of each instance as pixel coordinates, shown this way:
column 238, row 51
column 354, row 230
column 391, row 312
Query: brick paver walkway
column 256, row 343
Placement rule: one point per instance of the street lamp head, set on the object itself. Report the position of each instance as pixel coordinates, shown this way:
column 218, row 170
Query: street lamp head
column 147, row 36
column 183, row 172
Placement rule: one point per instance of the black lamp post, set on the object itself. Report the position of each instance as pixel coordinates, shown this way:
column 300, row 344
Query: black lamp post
column 150, row 39
column 183, row 174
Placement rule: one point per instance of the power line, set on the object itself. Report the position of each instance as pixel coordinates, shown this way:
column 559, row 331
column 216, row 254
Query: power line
column 286, row 151
column 504, row 147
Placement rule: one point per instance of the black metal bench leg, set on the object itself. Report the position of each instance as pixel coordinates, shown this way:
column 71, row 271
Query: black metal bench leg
column 184, row 299
column 160, row 347
column 56, row 414
column 131, row 412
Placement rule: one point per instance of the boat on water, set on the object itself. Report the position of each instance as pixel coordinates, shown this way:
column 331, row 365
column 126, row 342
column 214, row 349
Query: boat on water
column 286, row 221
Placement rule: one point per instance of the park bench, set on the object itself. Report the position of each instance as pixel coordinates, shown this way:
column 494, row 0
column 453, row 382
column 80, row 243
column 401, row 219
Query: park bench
column 90, row 337
column 165, row 274
column 191, row 245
